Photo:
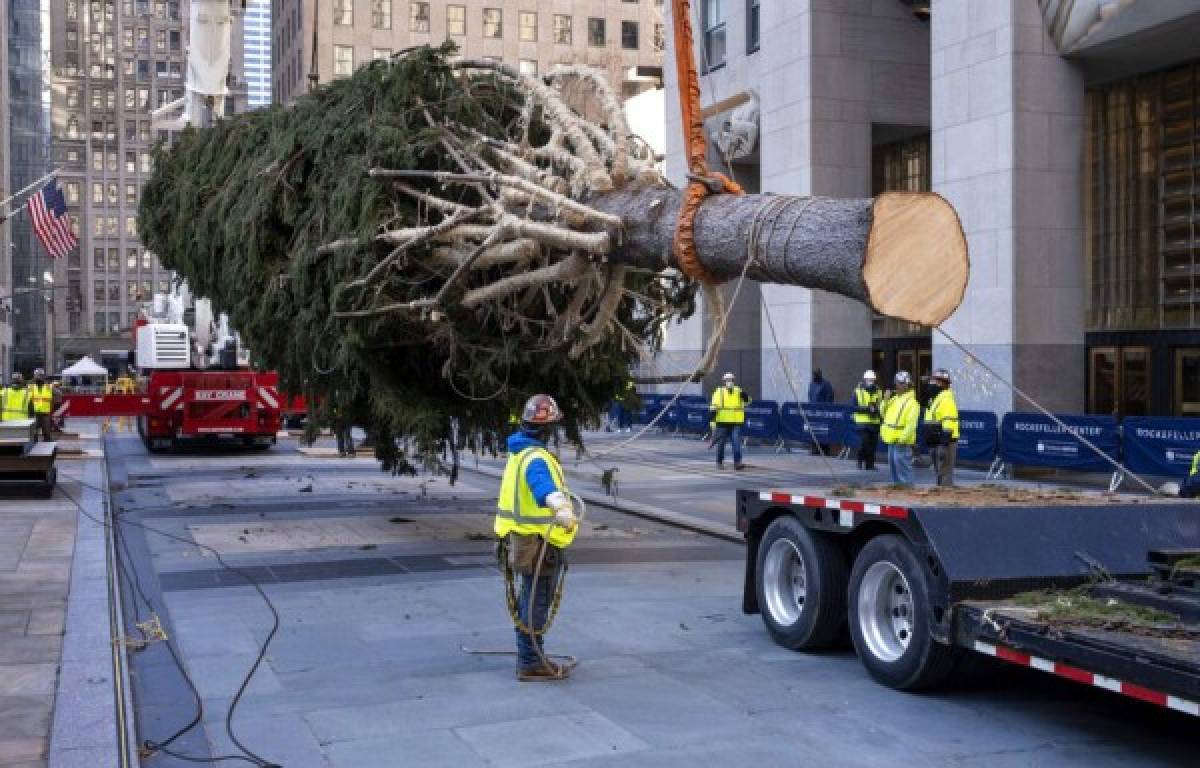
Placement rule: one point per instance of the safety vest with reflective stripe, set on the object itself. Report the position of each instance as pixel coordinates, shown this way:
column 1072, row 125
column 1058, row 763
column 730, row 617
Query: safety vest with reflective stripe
column 865, row 399
column 943, row 409
column 43, row 398
column 14, row 403
column 518, row 509
column 900, row 417
column 729, row 406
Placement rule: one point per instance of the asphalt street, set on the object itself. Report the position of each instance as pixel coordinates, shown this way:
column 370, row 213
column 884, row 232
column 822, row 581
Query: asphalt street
column 380, row 583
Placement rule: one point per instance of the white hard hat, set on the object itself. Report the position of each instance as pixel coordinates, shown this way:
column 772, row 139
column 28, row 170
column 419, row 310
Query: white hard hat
column 868, row 375
column 728, row 376
column 902, row 377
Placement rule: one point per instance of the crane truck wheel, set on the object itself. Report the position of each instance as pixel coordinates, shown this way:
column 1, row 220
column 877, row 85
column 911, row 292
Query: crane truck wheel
column 801, row 581
column 890, row 616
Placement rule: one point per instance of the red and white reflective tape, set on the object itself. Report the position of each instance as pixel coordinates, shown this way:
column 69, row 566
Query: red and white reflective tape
column 172, row 399
column 62, row 409
column 1089, row 678
column 845, row 508
column 268, row 396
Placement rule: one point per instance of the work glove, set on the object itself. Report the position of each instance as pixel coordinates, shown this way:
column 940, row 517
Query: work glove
column 564, row 511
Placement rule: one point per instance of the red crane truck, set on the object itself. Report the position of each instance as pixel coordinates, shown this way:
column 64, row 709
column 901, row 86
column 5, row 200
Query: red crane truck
column 196, row 382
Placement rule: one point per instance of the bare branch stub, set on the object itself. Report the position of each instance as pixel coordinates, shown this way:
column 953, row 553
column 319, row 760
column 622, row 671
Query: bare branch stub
column 529, row 230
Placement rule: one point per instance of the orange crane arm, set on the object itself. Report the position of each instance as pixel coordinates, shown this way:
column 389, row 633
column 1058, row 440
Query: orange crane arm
column 701, row 180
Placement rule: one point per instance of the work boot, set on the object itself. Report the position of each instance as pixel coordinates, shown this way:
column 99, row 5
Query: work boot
column 541, row 674
column 739, row 466
column 720, row 465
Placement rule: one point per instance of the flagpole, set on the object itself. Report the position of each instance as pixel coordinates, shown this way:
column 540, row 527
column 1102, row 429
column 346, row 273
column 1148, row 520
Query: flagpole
column 5, row 215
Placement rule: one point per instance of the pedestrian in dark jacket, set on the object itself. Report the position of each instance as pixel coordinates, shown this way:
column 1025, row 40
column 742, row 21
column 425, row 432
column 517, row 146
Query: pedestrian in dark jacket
column 820, row 390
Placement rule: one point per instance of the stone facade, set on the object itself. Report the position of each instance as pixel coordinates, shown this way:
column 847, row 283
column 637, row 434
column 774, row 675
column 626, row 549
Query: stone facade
column 1008, row 121
column 351, row 32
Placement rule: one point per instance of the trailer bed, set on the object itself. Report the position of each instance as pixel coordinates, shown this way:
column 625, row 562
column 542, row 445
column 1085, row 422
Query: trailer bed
column 1160, row 665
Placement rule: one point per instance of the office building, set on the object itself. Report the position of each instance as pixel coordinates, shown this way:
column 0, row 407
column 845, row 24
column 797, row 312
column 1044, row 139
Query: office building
column 257, row 61
column 1063, row 133
column 625, row 38
column 114, row 61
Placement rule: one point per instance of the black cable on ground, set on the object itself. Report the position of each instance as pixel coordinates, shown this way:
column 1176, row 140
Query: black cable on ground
column 248, row 756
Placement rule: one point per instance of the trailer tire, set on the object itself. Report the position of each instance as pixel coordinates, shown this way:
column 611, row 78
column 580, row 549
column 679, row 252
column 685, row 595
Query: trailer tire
column 801, row 578
column 890, row 616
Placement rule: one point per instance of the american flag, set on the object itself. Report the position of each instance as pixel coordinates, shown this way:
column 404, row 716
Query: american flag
column 51, row 222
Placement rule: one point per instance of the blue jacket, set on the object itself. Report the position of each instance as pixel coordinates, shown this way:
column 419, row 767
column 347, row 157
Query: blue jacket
column 537, row 473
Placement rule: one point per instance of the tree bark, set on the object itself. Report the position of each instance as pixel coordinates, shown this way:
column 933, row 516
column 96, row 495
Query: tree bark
column 902, row 254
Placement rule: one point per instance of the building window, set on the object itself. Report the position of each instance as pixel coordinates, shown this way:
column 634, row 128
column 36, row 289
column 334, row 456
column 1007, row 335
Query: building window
column 527, row 26
column 1142, row 187
column 343, row 13
column 456, row 20
column 596, row 32
column 381, row 54
column 528, row 67
column 492, row 22
column 98, row 262
column 562, row 29
column 629, row 35
column 381, row 13
column 712, row 55
column 752, row 25
column 148, row 261
column 343, row 60
column 131, row 226
column 418, row 17
column 131, row 194
column 660, row 37
column 72, row 192
column 1119, row 381
column 901, row 166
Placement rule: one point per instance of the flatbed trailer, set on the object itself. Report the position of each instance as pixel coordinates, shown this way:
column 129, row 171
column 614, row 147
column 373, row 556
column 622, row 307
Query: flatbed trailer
column 25, row 463
column 923, row 589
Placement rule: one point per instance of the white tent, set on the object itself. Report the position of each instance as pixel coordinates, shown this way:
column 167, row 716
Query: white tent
column 85, row 366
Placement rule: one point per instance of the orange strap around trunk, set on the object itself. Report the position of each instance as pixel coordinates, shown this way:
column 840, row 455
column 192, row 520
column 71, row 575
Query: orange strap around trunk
column 694, row 144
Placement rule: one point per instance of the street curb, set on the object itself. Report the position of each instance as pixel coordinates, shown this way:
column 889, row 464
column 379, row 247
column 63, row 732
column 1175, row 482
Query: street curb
column 647, row 511
column 84, row 726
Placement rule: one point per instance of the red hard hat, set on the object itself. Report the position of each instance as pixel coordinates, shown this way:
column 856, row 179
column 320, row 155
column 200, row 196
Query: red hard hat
column 541, row 409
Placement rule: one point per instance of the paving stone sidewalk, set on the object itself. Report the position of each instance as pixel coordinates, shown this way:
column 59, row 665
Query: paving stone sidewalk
column 37, row 538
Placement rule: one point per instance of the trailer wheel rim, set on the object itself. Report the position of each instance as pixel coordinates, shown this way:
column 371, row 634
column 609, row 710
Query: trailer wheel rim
column 785, row 582
column 885, row 611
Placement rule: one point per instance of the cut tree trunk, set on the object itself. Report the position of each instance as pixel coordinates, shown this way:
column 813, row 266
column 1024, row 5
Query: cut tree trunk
column 903, row 254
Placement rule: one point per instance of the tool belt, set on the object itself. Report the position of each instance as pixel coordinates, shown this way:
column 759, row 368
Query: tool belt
column 523, row 553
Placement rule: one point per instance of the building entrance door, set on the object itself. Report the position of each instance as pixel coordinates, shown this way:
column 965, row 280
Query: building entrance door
column 1187, row 382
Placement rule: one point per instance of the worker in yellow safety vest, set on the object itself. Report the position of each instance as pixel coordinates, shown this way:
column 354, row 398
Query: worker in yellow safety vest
column 535, row 522
column 728, row 411
column 868, row 401
column 941, row 427
column 14, row 399
column 1190, row 488
column 42, row 395
column 899, row 429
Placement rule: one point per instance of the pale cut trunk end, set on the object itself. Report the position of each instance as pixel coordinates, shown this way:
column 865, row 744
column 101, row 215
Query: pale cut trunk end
column 916, row 265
